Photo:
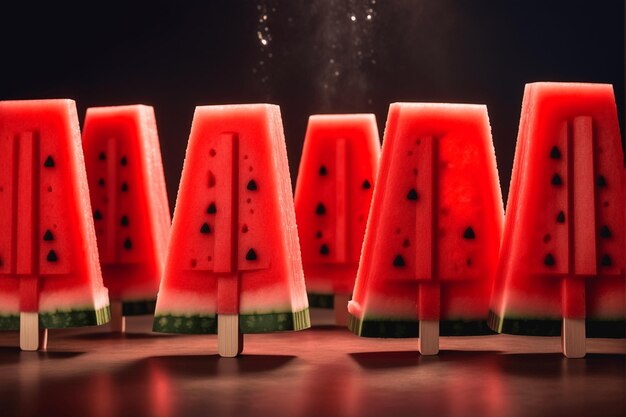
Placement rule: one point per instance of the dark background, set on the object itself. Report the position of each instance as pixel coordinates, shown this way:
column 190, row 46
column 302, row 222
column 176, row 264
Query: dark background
column 316, row 59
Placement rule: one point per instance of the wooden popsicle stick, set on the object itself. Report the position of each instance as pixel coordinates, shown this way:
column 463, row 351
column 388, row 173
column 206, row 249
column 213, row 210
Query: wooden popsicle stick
column 29, row 331
column 118, row 321
column 340, row 308
column 573, row 339
column 428, row 343
column 229, row 339
column 43, row 339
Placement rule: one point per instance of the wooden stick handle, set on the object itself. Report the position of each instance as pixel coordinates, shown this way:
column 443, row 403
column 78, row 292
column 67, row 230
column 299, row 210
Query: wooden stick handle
column 30, row 339
column 573, row 338
column 229, row 339
column 118, row 321
column 428, row 343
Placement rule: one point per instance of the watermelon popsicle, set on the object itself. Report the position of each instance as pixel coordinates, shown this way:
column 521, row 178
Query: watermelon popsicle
column 130, row 208
column 433, row 234
column 332, row 199
column 233, row 264
column 561, row 270
column 49, row 271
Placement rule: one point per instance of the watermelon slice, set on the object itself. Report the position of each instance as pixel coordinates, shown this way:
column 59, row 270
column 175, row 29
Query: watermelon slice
column 234, row 245
column 48, row 251
column 129, row 202
column 433, row 233
column 332, row 199
column 563, row 245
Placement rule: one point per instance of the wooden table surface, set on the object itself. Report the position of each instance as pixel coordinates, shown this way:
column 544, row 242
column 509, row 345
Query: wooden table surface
column 323, row 371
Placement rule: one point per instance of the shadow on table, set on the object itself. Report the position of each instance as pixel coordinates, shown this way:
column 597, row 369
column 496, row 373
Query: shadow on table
column 118, row 336
column 211, row 365
column 327, row 327
column 12, row 355
column 402, row 359
column 555, row 365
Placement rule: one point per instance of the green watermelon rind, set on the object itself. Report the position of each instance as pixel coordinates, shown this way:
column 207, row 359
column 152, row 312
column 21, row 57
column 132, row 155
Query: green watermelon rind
column 274, row 322
column 62, row 319
column 248, row 323
column 196, row 324
column 75, row 318
column 395, row 328
column 138, row 308
column 9, row 322
column 528, row 326
column 317, row 300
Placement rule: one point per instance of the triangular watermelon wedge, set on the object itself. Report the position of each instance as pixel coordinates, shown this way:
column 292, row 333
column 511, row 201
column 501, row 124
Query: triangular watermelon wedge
column 563, row 246
column 332, row 200
column 234, row 245
column 48, row 251
column 129, row 202
column 433, row 233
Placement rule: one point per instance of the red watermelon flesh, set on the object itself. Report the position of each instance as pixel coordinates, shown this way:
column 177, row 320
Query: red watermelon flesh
column 332, row 199
column 433, row 233
column 234, row 244
column 129, row 202
column 48, row 252
column 563, row 246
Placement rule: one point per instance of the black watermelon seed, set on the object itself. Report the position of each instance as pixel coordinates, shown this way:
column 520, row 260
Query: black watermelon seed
column 48, row 236
column 469, row 233
column 124, row 220
column 556, row 180
column 324, row 249
column 49, row 162
column 555, row 153
column 560, row 218
column 318, row 235
column 601, row 181
column 323, row 170
column 320, row 210
column 412, row 194
column 101, row 182
column 97, row 215
column 205, row 229
column 548, row 260
column 468, row 262
column 52, row 256
column 102, row 156
column 398, row 261
column 605, row 232
column 251, row 185
column 124, row 187
column 212, row 209
column 128, row 244
column 124, row 161
column 366, row 185
column 251, row 255
column 606, row 260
